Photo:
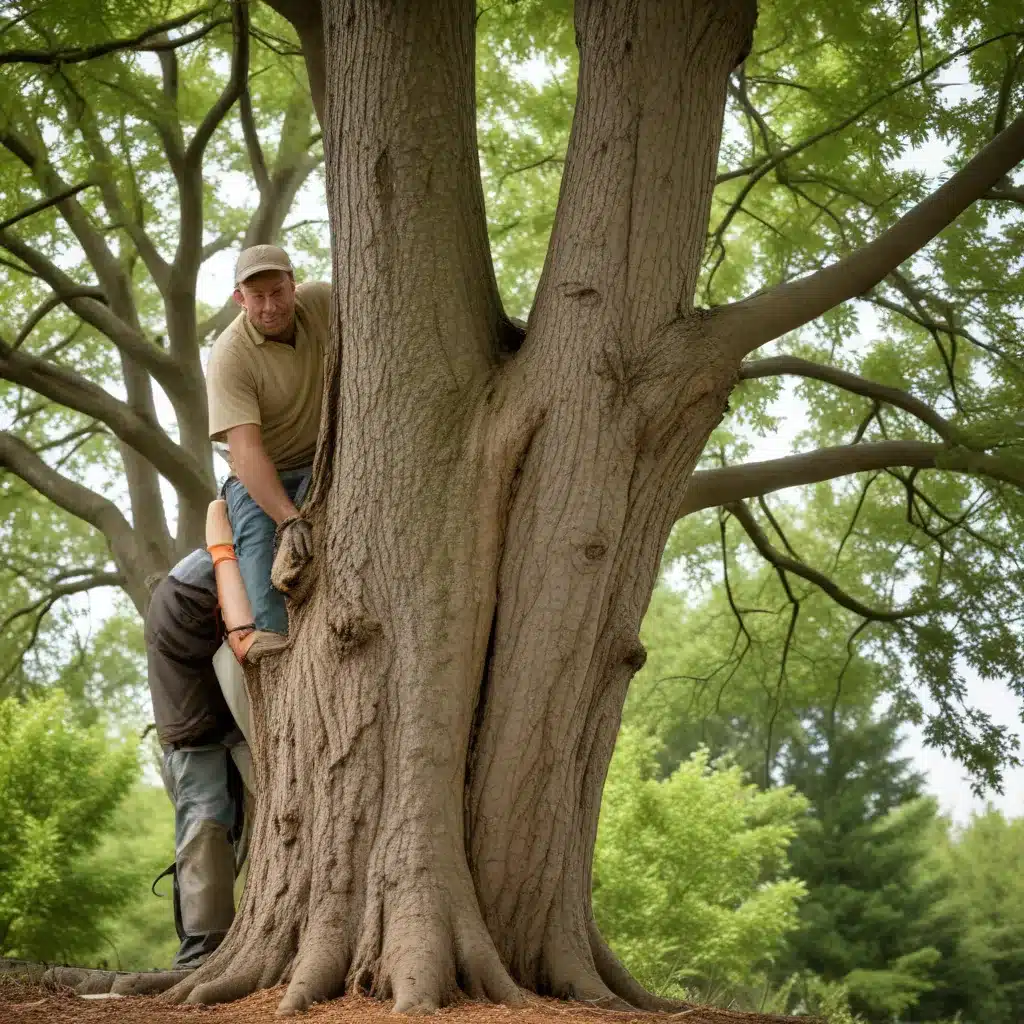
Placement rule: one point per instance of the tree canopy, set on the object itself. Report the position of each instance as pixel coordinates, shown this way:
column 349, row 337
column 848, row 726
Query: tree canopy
column 141, row 140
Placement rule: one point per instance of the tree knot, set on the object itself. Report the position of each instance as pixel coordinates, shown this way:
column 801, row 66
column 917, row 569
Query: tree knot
column 352, row 629
column 586, row 295
column 287, row 826
column 634, row 656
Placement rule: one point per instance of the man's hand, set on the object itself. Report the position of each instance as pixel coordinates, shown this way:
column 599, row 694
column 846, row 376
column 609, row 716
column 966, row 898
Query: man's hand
column 291, row 573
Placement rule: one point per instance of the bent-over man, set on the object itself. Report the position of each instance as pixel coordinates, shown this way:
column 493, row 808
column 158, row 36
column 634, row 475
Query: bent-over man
column 205, row 756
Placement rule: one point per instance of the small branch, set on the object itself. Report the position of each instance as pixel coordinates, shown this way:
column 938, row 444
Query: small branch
column 42, row 310
column 42, row 607
column 75, row 56
column 712, row 487
column 551, row 158
column 45, row 204
column 761, row 168
column 59, row 589
column 755, row 321
column 784, row 562
column 779, row 365
column 1009, row 193
column 233, row 88
column 178, row 42
column 252, row 142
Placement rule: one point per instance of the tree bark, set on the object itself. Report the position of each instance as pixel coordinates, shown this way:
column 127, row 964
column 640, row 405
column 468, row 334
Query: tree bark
column 488, row 523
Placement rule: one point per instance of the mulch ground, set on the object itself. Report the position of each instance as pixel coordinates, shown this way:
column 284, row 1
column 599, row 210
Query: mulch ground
column 22, row 1003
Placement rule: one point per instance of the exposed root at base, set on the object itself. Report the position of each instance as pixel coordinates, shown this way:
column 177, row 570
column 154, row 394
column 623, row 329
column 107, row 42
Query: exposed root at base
column 319, row 971
column 422, row 968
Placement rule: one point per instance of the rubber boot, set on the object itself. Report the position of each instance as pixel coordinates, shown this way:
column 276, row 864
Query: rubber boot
column 205, row 878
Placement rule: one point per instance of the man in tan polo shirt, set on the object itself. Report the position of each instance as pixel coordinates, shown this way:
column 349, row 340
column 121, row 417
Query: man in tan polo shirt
column 264, row 383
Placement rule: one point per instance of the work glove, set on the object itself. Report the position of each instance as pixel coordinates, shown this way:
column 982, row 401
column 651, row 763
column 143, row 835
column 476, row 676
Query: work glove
column 299, row 534
column 290, row 572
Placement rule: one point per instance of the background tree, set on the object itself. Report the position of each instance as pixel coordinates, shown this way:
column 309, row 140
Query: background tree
column 690, row 883
column 490, row 509
column 985, row 861
column 117, row 123
column 60, row 785
column 873, row 918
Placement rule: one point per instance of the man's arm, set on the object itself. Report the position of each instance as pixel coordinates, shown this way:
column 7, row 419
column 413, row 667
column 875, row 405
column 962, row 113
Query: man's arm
column 257, row 473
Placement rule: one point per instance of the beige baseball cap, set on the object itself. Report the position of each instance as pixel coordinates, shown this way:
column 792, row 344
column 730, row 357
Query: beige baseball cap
column 258, row 258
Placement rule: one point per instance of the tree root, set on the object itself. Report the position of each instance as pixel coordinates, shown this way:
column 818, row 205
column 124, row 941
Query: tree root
column 319, row 971
column 89, row 981
column 425, row 959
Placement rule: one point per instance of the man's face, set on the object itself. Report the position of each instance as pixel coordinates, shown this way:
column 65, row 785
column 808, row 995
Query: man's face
column 269, row 301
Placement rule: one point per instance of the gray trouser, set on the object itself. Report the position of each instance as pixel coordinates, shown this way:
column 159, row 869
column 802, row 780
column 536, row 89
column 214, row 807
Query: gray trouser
column 204, row 813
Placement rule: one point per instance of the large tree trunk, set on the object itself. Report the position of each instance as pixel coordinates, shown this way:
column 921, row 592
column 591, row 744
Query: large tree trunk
column 489, row 522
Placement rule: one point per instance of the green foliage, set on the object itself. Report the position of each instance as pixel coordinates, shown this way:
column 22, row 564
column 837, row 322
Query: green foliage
column 140, row 935
column 877, row 918
column 60, row 785
column 986, row 862
column 690, row 872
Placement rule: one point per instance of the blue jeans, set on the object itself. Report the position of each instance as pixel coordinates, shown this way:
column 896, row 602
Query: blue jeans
column 253, row 532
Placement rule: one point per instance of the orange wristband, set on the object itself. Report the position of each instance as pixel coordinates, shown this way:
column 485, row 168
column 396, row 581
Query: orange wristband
column 222, row 553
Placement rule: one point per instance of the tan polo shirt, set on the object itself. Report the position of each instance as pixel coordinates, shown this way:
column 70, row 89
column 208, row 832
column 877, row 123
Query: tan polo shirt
column 251, row 379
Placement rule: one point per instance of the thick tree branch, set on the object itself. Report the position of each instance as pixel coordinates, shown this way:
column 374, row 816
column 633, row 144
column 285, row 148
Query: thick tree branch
column 306, row 18
column 757, row 320
column 75, row 56
column 76, row 392
column 793, row 365
column 712, row 487
column 94, row 312
column 45, row 204
column 188, row 257
column 130, row 557
column 104, row 163
column 80, row 501
column 252, row 141
column 786, row 563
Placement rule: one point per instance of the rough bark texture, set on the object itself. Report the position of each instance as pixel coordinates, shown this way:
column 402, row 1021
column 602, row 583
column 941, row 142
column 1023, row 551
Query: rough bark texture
column 488, row 523
column 490, row 509
column 433, row 748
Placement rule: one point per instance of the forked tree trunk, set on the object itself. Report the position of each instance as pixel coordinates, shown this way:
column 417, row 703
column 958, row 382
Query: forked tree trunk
column 489, row 522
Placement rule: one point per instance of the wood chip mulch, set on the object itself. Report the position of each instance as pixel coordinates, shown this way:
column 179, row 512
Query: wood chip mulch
column 22, row 1003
